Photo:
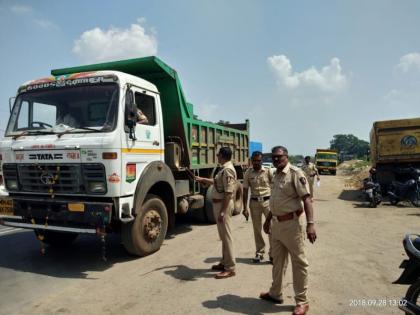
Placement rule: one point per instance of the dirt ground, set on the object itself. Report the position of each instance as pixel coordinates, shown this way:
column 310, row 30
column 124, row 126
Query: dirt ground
column 354, row 262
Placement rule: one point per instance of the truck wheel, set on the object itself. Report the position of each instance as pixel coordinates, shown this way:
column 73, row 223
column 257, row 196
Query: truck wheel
column 238, row 199
column 208, row 207
column 333, row 172
column 146, row 233
column 55, row 238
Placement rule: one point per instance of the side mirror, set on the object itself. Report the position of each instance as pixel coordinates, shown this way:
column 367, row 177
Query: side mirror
column 130, row 114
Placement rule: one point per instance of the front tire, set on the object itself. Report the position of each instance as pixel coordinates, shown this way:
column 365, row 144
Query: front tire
column 146, row 233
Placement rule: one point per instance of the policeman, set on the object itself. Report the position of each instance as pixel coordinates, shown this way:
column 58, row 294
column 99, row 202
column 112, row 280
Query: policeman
column 290, row 197
column 258, row 179
column 222, row 201
column 310, row 171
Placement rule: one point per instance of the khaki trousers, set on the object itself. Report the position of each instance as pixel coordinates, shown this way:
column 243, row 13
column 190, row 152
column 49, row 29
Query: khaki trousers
column 288, row 238
column 258, row 209
column 311, row 181
column 225, row 234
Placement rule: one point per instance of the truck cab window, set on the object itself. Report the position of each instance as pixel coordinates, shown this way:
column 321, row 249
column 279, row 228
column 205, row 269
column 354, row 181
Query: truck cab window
column 146, row 104
column 23, row 121
column 44, row 113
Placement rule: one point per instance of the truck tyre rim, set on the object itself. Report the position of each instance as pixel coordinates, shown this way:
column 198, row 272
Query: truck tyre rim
column 152, row 224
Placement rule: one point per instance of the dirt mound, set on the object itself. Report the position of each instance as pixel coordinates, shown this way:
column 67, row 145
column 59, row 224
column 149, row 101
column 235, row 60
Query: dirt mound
column 355, row 171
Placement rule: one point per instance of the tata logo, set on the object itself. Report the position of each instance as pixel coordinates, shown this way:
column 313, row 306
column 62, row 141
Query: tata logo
column 47, row 178
column 408, row 142
column 46, row 156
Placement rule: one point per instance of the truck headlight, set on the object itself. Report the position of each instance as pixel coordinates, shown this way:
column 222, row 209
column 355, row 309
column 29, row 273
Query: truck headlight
column 97, row 187
column 12, row 184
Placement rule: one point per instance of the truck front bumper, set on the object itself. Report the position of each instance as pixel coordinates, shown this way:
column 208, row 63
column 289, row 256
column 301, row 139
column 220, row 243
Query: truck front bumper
column 55, row 214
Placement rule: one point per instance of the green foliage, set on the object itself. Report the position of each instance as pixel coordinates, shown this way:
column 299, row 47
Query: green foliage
column 294, row 159
column 350, row 145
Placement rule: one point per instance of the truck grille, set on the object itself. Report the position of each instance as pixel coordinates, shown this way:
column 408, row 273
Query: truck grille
column 63, row 178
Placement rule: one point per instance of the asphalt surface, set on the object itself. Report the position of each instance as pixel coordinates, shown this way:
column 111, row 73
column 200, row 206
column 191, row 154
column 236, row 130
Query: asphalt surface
column 352, row 266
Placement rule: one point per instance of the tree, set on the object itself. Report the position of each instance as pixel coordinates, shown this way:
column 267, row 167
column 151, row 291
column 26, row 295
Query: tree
column 350, row 144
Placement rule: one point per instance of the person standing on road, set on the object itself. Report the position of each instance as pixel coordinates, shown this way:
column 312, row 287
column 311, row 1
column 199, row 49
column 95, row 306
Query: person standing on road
column 258, row 179
column 222, row 202
column 310, row 171
column 289, row 194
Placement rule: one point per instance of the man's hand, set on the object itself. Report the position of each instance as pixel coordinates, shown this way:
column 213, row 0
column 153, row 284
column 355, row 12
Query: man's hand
column 311, row 233
column 245, row 213
column 267, row 226
column 221, row 217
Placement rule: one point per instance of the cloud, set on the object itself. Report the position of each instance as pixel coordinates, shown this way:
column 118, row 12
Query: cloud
column 409, row 61
column 21, row 9
column 206, row 111
column 98, row 45
column 329, row 79
column 46, row 24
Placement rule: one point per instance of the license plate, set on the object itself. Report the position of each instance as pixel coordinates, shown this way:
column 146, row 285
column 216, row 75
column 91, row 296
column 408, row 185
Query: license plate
column 6, row 206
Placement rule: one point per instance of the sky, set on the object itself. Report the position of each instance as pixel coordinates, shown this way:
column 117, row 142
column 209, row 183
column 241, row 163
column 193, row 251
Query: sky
column 300, row 71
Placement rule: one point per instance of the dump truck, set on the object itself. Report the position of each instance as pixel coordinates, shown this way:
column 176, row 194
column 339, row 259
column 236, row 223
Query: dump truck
column 326, row 161
column 394, row 145
column 75, row 159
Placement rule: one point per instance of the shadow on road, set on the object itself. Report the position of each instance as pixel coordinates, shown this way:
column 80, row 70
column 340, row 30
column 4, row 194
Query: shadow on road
column 246, row 305
column 350, row 195
column 185, row 273
column 21, row 251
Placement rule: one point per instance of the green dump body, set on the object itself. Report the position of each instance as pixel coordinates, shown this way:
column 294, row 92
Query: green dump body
column 201, row 139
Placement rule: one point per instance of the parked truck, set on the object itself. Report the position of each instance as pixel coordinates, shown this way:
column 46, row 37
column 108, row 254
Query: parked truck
column 394, row 145
column 326, row 161
column 75, row 160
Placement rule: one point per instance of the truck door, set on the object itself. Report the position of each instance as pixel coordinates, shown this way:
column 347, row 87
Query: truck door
column 149, row 144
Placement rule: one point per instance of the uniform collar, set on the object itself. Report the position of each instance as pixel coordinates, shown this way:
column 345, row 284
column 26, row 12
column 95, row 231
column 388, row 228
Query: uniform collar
column 226, row 164
column 286, row 169
column 263, row 169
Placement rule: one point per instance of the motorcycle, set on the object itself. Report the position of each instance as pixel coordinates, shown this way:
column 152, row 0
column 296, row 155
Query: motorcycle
column 372, row 192
column 372, row 189
column 410, row 304
column 408, row 190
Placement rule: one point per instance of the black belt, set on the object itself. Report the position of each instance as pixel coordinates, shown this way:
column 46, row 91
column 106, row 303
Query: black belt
column 260, row 198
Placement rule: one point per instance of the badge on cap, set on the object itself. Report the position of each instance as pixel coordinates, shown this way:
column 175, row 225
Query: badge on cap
column 302, row 180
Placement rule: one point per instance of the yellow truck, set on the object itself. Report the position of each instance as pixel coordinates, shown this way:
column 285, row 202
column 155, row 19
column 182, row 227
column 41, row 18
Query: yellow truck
column 326, row 161
column 394, row 144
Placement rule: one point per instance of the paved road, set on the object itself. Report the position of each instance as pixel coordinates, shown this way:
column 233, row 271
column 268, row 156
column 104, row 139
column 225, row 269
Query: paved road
column 356, row 257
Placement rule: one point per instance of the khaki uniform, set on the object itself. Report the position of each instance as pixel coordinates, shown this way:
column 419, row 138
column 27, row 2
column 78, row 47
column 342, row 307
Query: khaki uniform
column 310, row 171
column 259, row 182
column 289, row 186
column 225, row 181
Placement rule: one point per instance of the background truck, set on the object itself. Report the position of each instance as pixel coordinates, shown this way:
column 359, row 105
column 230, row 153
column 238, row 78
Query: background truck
column 326, row 161
column 394, row 145
column 75, row 160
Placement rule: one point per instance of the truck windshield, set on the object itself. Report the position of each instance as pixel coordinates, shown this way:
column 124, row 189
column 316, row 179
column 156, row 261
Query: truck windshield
column 92, row 107
column 326, row 156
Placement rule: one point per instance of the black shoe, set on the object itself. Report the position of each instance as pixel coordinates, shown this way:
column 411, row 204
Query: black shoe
column 258, row 258
column 271, row 260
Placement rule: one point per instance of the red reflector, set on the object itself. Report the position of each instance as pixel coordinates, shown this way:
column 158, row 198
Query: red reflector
column 109, row 155
column 107, row 209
